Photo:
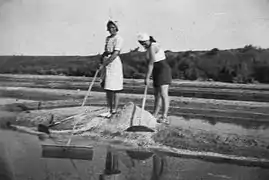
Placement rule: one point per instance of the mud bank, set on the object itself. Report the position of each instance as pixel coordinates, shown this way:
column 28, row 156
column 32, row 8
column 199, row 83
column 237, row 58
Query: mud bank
column 200, row 140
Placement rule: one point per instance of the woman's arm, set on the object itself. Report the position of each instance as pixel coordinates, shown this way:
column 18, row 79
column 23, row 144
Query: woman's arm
column 116, row 52
column 104, row 53
column 111, row 58
column 150, row 64
column 102, row 58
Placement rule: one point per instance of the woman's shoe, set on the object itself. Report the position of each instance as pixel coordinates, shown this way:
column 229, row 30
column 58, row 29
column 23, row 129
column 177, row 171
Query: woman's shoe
column 114, row 112
column 106, row 114
column 109, row 115
column 163, row 120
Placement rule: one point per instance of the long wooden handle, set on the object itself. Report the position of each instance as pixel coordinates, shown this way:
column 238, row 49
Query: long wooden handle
column 143, row 103
column 90, row 87
column 63, row 120
column 84, row 101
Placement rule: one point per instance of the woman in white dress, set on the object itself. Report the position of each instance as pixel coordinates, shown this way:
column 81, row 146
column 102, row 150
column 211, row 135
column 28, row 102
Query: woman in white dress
column 111, row 65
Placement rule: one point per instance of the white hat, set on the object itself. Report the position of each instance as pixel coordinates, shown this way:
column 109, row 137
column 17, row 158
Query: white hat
column 116, row 23
column 143, row 37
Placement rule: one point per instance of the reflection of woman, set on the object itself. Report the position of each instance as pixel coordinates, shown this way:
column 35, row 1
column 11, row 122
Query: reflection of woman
column 158, row 167
column 161, row 74
column 5, row 169
column 111, row 170
column 158, row 162
column 111, row 65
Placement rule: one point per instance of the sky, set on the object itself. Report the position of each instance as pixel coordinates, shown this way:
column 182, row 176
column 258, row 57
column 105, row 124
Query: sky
column 78, row 27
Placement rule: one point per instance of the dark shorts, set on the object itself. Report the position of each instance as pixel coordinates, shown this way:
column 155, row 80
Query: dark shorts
column 161, row 74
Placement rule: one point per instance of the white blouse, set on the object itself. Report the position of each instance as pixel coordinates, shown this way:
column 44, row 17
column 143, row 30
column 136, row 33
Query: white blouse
column 159, row 52
column 113, row 43
column 114, row 71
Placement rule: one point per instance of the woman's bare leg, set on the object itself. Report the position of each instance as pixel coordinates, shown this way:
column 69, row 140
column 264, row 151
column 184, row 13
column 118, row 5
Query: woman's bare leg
column 116, row 99
column 109, row 98
column 165, row 99
column 157, row 101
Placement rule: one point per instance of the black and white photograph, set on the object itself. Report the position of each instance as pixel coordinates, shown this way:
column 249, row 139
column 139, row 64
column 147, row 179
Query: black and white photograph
column 134, row 89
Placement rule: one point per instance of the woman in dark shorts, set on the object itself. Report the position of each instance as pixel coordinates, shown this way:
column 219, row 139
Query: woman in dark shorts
column 161, row 75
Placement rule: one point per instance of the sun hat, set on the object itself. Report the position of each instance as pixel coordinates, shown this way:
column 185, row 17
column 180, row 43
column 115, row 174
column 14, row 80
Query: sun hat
column 143, row 37
column 116, row 23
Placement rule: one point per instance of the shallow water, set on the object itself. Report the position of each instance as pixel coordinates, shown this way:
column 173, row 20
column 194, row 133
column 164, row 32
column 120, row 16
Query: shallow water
column 261, row 132
column 13, row 100
column 21, row 155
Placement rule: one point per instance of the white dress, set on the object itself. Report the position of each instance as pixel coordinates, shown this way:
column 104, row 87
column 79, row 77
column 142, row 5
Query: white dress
column 114, row 70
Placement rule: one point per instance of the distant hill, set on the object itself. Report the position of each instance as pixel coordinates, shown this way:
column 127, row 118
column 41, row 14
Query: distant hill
column 243, row 65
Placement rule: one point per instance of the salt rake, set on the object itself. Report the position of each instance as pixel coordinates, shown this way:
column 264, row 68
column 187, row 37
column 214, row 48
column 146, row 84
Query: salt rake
column 140, row 128
column 45, row 128
column 70, row 151
column 67, row 151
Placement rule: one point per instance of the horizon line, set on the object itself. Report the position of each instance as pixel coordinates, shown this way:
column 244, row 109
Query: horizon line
column 132, row 50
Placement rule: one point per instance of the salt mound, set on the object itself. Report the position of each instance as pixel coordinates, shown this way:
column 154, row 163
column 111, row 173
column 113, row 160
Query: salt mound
column 132, row 114
column 90, row 124
column 114, row 128
column 129, row 115
column 6, row 116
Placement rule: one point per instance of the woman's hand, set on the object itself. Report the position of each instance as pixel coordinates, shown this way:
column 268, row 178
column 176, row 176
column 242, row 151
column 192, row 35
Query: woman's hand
column 146, row 81
column 103, row 63
column 101, row 66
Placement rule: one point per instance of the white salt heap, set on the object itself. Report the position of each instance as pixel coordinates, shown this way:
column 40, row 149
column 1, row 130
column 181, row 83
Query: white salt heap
column 129, row 115
column 90, row 124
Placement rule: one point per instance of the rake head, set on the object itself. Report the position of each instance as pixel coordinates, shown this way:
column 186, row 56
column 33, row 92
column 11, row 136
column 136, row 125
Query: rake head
column 67, row 152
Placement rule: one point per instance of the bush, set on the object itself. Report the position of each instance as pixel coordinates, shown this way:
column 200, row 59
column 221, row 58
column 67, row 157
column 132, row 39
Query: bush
column 244, row 65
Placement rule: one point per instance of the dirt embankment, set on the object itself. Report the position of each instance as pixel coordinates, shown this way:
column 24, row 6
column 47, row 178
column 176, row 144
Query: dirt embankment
column 224, row 143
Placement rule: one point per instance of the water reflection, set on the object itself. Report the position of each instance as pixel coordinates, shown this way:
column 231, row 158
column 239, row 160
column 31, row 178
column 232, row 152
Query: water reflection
column 5, row 168
column 112, row 170
column 111, row 162
column 260, row 131
column 136, row 158
column 159, row 164
column 241, row 122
